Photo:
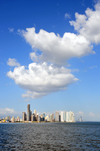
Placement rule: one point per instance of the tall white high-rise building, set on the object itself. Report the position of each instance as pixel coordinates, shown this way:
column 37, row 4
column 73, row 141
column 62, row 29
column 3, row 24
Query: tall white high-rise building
column 51, row 117
column 63, row 116
column 67, row 116
column 71, row 116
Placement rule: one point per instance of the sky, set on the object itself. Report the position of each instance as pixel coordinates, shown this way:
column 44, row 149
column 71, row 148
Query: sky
column 50, row 57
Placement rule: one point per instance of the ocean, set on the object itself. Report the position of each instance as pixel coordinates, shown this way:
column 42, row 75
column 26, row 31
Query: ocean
column 83, row 136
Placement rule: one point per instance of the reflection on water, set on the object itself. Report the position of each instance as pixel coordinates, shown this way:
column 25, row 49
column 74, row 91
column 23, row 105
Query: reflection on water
column 50, row 136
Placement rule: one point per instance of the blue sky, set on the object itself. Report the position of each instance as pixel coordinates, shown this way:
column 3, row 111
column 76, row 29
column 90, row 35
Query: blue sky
column 49, row 57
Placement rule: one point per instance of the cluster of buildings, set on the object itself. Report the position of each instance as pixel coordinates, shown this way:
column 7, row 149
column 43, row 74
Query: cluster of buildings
column 9, row 119
column 63, row 116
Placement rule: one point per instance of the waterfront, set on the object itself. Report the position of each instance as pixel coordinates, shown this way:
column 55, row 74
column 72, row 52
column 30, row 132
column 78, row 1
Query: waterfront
column 50, row 136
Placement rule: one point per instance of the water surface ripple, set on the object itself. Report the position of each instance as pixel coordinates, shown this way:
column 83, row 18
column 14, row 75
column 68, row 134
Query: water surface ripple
column 50, row 137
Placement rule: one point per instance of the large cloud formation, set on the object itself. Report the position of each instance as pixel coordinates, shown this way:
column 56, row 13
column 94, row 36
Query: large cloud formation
column 41, row 79
column 57, row 49
column 88, row 25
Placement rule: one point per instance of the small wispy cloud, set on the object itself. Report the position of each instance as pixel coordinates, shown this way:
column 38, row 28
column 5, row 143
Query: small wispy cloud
column 12, row 62
column 34, row 25
column 27, row 100
column 91, row 114
column 80, row 113
column 96, row 1
column 84, row 70
column 53, row 26
column 83, row 3
column 11, row 30
column 75, row 70
column 58, row 13
column 93, row 67
column 67, row 16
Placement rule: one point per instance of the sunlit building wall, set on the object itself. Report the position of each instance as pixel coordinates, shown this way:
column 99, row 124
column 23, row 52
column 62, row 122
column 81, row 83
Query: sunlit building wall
column 32, row 118
column 56, row 116
column 67, row 116
column 18, row 119
column 51, row 117
column 7, row 118
column 35, row 112
column 38, row 118
column 30, row 112
column 23, row 116
column 47, row 118
column 62, row 116
column 13, row 119
column 71, row 117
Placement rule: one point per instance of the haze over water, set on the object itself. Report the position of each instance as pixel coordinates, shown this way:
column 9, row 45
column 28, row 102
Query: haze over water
column 50, row 136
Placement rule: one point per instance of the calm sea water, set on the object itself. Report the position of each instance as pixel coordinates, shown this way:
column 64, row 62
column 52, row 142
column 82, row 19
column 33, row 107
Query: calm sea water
column 50, row 137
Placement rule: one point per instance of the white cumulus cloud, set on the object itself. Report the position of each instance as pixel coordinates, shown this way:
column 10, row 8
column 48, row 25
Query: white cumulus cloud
column 12, row 62
column 88, row 25
column 57, row 49
column 9, row 112
column 33, row 56
column 41, row 79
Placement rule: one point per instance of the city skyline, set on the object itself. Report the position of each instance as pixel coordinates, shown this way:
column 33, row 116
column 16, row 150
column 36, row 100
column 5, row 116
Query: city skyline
column 30, row 116
column 49, row 57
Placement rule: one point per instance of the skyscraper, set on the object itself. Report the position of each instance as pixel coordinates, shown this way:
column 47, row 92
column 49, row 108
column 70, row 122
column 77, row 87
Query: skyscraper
column 50, row 117
column 63, row 116
column 56, row 116
column 23, row 116
column 13, row 119
column 28, row 112
column 67, row 116
column 35, row 113
column 71, row 116
column 43, row 116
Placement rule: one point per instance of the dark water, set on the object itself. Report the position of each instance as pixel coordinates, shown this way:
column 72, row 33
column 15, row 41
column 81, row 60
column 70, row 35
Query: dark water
column 50, row 137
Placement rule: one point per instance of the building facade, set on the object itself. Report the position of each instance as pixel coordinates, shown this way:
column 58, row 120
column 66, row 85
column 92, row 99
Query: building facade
column 56, row 116
column 23, row 116
column 28, row 112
